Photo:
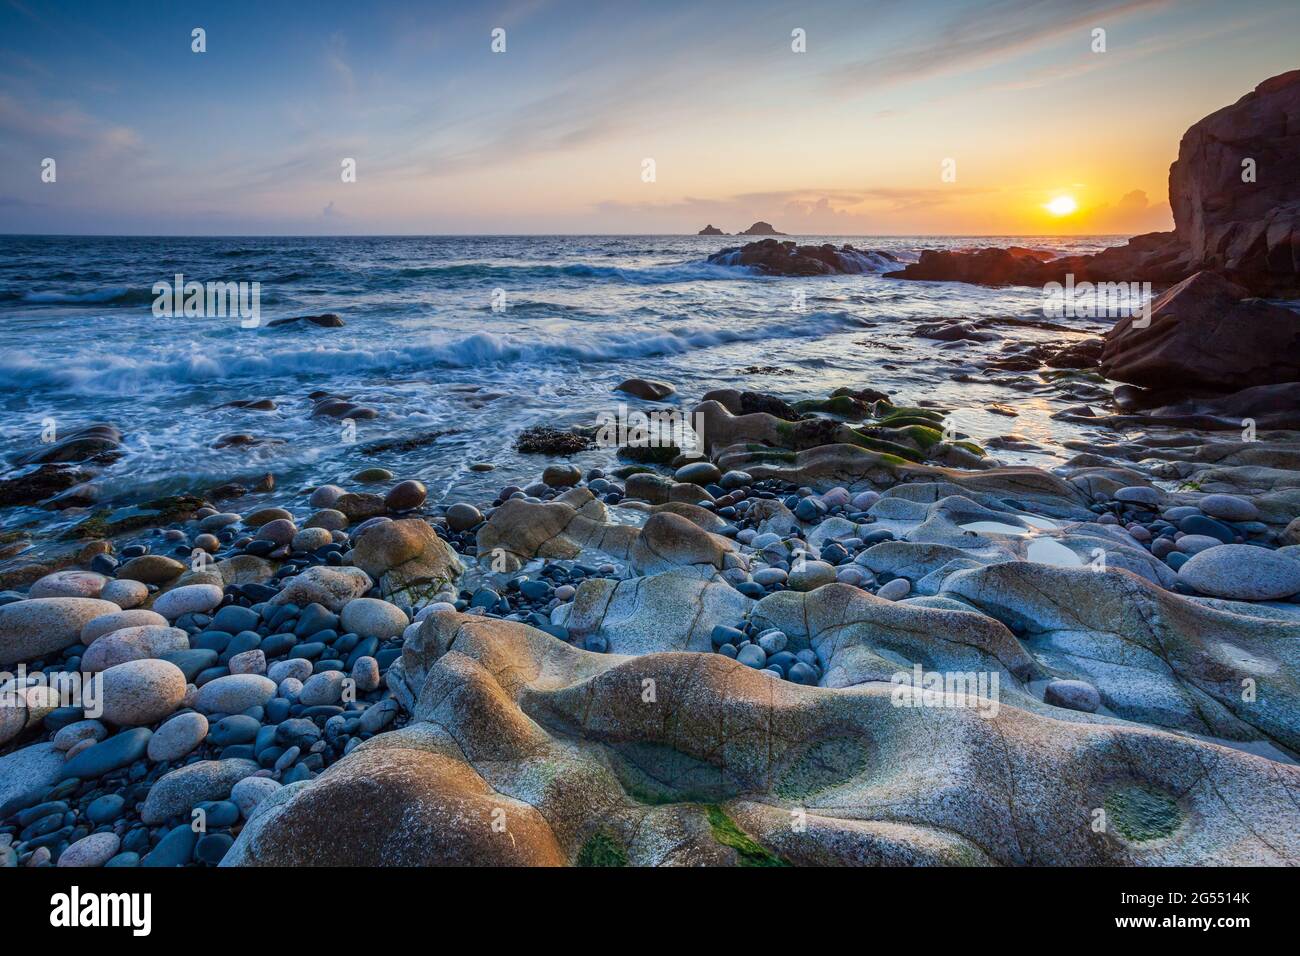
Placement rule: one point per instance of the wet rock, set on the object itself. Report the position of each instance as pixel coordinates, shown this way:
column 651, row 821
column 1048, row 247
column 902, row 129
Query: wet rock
column 405, row 496
column 39, row 484
column 358, row 506
column 311, row 539
column 647, row 389
column 325, row 495
column 326, row 320
column 99, row 442
column 773, row 257
column 462, row 517
column 698, row 473
column 561, row 476
column 544, row 440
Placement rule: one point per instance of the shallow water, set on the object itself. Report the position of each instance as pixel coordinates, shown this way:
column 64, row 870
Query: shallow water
column 424, row 346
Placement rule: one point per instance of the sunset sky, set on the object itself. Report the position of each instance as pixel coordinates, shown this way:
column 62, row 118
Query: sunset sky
column 550, row 136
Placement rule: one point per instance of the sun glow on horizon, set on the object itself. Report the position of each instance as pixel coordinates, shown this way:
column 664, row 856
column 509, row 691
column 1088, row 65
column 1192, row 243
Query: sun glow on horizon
column 1061, row 206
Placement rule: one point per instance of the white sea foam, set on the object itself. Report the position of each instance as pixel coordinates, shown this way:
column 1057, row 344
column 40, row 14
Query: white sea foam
column 124, row 374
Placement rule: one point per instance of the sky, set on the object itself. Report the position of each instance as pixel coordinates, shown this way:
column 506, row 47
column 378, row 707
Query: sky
column 919, row 117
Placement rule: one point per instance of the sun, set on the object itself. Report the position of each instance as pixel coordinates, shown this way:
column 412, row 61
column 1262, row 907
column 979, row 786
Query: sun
column 1061, row 206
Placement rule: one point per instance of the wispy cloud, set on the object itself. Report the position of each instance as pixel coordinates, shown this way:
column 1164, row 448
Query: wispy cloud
column 979, row 36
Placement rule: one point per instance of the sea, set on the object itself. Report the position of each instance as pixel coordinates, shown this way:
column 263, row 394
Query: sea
column 461, row 342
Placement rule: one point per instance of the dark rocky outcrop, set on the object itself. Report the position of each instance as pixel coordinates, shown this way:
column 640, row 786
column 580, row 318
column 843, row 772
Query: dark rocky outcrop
column 327, row 320
column 1156, row 257
column 646, row 388
column 99, row 442
column 791, row 259
column 39, row 484
column 710, row 230
column 1204, row 333
column 545, row 440
column 1268, row 406
column 761, row 228
column 1248, row 229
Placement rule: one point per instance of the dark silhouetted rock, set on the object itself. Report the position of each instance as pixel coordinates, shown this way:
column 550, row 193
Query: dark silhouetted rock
column 761, row 228
column 1205, row 334
column 327, row 320
column 1249, row 229
column 646, row 388
column 790, row 259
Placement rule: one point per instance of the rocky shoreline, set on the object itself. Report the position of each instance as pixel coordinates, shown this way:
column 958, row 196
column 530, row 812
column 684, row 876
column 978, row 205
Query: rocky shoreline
column 347, row 660
column 837, row 632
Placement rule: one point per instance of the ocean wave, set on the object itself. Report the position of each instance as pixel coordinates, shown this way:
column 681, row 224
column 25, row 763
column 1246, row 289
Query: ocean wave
column 127, row 375
column 117, row 295
column 650, row 275
column 852, row 261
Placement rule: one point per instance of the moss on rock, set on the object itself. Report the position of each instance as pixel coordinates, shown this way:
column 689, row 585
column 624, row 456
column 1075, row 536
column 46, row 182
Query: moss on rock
column 602, row 849
column 1142, row 814
column 750, row 851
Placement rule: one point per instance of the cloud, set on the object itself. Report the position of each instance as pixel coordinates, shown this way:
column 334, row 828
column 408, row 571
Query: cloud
column 979, row 36
column 52, row 124
column 1134, row 201
column 1132, row 213
column 339, row 66
column 329, row 212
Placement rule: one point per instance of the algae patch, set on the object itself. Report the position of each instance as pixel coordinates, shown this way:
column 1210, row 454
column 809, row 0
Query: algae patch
column 602, row 849
column 726, row 832
column 1140, row 814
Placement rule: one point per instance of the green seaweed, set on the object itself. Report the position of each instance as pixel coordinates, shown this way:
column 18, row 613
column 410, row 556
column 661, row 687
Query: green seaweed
column 750, row 851
column 649, row 454
column 842, row 406
column 1142, row 814
column 106, row 523
column 602, row 849
column 923, row 415
column 890, row 448
column 764, row 453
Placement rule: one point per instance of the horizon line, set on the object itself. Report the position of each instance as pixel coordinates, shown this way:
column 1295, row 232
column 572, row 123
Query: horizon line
column 574, row 235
